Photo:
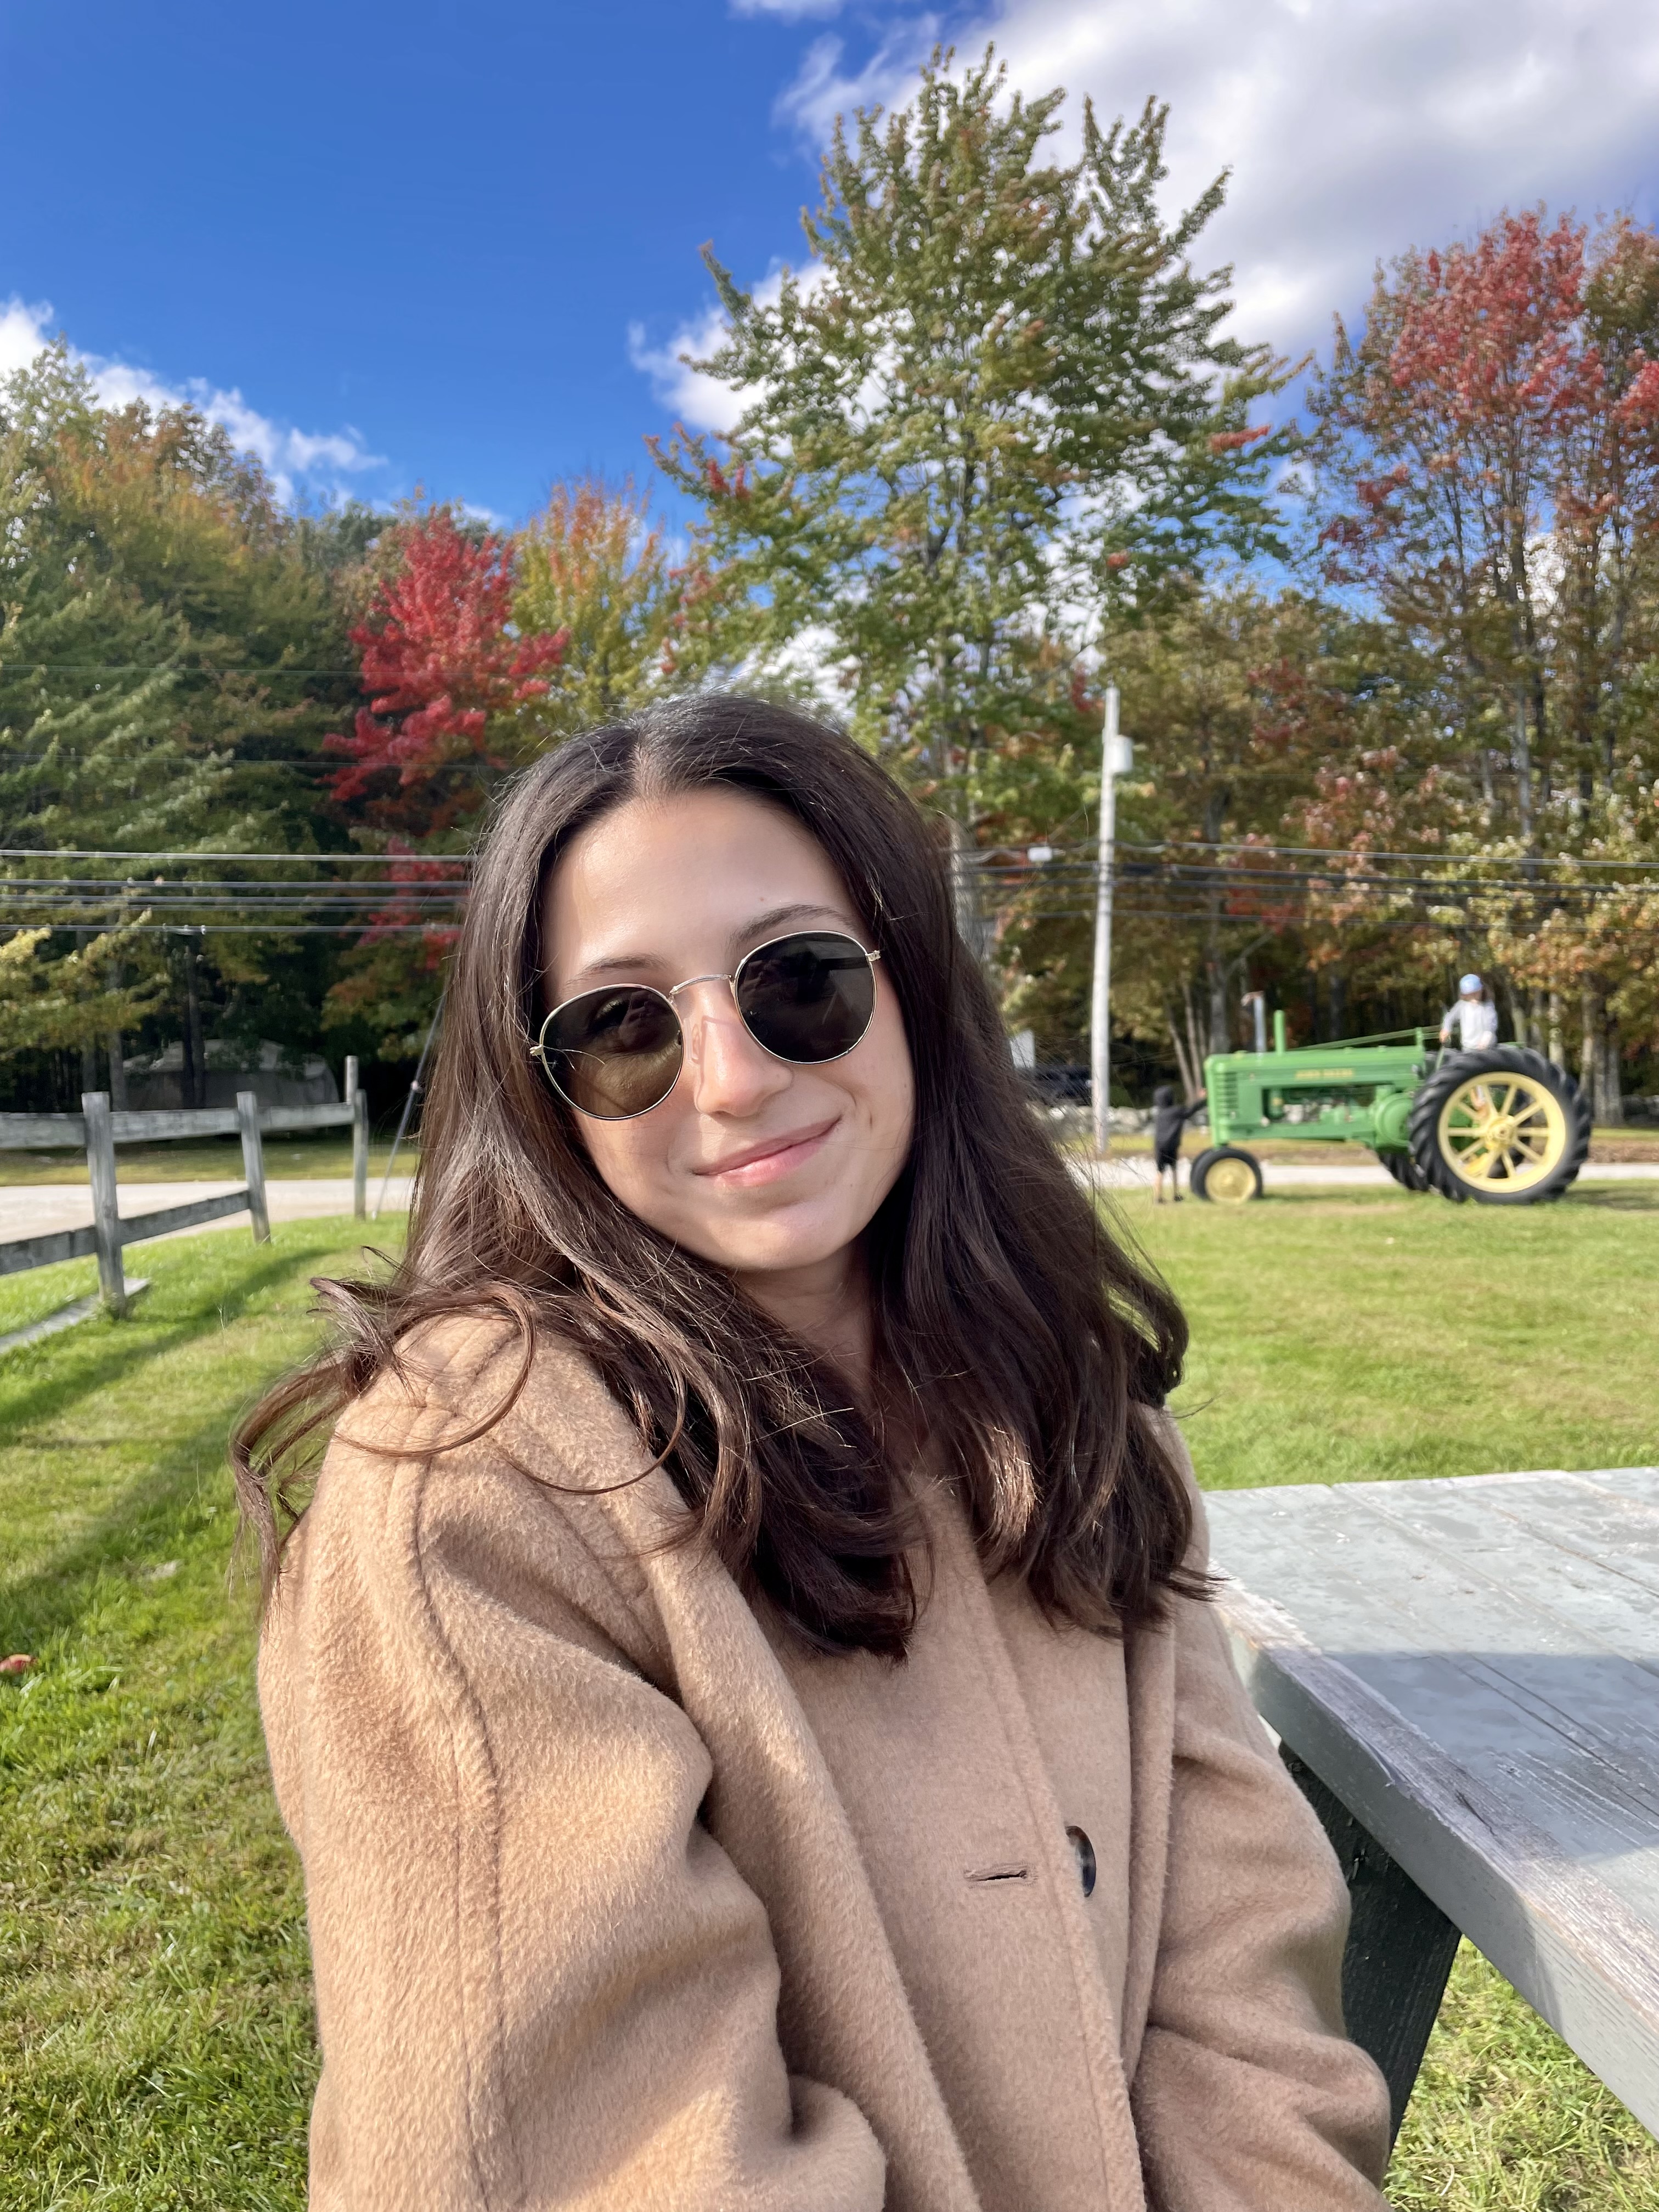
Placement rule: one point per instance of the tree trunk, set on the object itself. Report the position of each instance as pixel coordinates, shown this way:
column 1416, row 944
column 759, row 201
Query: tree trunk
column 1558, row 1051
column 88, row 1064
column 1611, row 1115
column 1589, row 1056
column 1191, row 1083
column 1196, row 1046
column 971, row 925
column 195, row 1068
column 117, row 1072
column 1220, row 1027
column 1313, row 1005
column 1339, row 1004
column 1522, row 764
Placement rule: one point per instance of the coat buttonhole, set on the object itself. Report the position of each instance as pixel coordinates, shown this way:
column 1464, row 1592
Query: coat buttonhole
column 998, row 1873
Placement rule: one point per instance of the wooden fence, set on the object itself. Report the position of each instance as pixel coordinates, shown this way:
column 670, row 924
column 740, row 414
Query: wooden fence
column 97, row 1131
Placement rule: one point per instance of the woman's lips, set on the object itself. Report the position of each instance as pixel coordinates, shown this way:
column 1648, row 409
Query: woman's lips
column 770, row 1161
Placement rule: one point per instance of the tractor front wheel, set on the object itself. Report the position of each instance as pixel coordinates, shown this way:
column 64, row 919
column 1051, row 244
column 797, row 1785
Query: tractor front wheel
column 1504, row 1127
column 1227, row 1176
column 1405, row 1171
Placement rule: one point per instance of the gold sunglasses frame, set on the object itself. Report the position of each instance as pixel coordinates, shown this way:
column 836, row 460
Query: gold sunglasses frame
column 537, row 1051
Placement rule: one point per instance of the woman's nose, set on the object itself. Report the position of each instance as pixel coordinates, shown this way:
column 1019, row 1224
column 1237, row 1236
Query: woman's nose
column 728, row 1072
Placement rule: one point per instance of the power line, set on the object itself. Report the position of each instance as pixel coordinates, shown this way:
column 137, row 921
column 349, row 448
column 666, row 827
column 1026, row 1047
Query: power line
column 1021, row 856
column 268, row 860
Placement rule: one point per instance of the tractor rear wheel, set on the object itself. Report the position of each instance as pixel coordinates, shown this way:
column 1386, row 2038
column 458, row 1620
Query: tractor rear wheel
column 1405, row 1171
column 1227, row 1176
column 1506, row 1128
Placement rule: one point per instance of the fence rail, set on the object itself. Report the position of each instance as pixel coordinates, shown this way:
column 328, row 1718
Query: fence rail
column 97, row 1131
column 46, row 1132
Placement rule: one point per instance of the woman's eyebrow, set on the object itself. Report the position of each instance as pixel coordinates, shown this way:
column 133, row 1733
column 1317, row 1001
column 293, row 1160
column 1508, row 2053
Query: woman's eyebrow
column 754, row 931
column 776, row 917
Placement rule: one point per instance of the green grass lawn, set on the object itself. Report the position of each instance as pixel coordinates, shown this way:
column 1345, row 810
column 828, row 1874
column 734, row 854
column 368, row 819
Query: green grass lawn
column 155, row 2020
column 155, row 2033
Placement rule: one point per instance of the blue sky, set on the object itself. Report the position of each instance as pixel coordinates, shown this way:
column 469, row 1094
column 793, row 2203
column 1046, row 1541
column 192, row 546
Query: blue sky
column 457, row 246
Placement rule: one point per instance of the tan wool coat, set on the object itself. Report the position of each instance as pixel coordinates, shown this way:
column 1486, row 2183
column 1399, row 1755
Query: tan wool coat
column 620, row 1900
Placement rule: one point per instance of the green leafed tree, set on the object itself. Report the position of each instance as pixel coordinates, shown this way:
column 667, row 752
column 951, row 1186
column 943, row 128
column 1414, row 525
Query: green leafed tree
column 994, row 404
column 47, row 1003
column 169, row 644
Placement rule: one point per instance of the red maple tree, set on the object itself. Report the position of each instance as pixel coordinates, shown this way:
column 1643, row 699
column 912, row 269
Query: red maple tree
column 446, row 675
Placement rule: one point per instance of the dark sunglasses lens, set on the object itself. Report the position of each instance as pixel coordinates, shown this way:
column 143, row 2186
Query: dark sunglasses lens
column 807, row 998
column 613, row 1053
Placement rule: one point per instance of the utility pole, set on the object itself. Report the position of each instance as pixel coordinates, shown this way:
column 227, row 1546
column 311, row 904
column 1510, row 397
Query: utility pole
column 1117, row 758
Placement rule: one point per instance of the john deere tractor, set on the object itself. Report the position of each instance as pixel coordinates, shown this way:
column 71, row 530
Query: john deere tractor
column 1504, row 1127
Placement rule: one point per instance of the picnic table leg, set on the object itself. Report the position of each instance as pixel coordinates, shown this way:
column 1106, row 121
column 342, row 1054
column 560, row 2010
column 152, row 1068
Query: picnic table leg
column 1401, row 1947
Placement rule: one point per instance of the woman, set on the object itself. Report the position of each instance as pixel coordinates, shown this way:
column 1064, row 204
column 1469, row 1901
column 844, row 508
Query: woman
column 742, row 1689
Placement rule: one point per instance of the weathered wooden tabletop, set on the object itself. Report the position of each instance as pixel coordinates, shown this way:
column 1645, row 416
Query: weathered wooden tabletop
column 1472, row 1667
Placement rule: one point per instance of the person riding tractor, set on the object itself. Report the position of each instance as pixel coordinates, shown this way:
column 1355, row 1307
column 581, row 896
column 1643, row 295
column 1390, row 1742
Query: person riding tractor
column 1474, row 1017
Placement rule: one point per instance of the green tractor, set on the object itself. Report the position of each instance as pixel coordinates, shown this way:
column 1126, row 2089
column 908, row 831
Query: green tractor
column 1504, row 1126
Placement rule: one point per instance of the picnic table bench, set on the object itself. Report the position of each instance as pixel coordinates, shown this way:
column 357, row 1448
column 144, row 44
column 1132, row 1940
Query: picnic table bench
column 1464, row 1677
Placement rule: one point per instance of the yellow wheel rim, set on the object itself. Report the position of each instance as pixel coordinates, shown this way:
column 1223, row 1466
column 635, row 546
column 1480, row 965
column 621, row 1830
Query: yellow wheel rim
column 1231, row 1182
column 1502, row 1133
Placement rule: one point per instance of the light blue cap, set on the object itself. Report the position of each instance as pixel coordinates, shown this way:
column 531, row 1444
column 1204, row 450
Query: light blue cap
column 1468, row 983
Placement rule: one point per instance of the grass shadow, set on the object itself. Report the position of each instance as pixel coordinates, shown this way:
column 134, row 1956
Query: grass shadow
column 147, row 1516
column 101, row 1359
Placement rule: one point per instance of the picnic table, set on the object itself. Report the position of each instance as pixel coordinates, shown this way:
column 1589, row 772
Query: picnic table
column 1464, row 1677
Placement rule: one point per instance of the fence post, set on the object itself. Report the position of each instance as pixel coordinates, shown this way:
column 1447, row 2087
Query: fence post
column 253, row 1163
column 357, row 1099
column 106, row 1216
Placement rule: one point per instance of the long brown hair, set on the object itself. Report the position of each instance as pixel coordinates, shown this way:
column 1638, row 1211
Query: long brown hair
column 1031, row 1346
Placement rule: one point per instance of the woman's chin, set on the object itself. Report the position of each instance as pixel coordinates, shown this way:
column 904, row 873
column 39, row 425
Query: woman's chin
column 781, row 1246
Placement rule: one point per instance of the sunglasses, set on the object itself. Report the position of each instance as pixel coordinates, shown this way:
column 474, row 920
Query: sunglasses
column 617, row 1052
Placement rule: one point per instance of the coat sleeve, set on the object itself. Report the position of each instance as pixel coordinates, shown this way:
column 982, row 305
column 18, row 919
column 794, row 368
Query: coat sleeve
column 1247, row 2096
column 539, row 1981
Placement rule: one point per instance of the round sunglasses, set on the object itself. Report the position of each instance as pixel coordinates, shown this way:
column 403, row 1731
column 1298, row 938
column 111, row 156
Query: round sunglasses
column 617, row 1051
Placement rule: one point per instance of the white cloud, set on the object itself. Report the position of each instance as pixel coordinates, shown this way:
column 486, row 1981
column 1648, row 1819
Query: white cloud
column 822, row 89
column 296, row 459
column 791, row 11
column 1353, row 128
column 697, row 401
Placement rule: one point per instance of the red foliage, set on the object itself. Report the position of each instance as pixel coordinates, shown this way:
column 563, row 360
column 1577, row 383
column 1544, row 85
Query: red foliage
column 1482, row 383
column 1494, row 331
column 439, row 664
column 1233, row 441
column 406, row 909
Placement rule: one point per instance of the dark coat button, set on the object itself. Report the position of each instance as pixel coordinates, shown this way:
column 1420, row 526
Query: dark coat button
column 1085, row 1859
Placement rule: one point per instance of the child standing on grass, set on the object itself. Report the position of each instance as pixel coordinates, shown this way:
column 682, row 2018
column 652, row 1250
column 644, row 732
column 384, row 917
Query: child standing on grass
column 1169, row 1120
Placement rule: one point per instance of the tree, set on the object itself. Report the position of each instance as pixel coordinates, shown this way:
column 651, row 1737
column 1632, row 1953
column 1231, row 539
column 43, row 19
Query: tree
column 593, row 569
column 448, row 679
column 46, row 1004
column 995, row 402
column 1487, row 457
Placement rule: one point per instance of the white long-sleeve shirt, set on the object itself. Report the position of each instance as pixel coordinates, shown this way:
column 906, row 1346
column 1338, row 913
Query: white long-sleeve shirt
column 1475, row 1021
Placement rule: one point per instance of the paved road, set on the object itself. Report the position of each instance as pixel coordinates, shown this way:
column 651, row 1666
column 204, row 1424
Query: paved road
column 34, row 1209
